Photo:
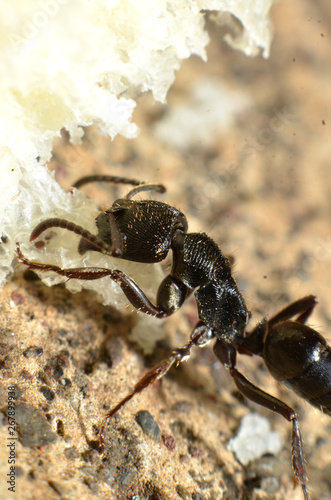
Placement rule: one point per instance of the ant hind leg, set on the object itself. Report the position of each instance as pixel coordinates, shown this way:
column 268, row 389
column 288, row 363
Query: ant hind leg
column 302, row 307
column 227, row 355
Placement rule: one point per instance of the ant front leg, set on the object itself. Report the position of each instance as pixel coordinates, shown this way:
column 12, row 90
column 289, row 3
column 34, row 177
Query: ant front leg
column 227, row 355
column 131, row 290
column 170, row 296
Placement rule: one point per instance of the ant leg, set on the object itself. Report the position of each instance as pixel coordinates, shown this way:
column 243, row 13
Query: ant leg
column 132, row 291
column 200, row 336
column 254, row 340
column 105, row 178
column 303, row 307
column 227, row 355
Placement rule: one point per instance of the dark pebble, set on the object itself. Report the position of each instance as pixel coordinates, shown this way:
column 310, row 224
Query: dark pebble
column 33, row 352
column 169, row 442
column 65, row 382
column 148, row 424
column 60, row 428
column 47, row 393
column 33, row 428
column 57, row 371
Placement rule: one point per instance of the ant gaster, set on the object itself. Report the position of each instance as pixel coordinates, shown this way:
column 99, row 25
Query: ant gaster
column 145, row 231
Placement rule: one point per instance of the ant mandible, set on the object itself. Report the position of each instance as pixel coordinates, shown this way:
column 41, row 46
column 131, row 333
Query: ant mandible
column 144, row 231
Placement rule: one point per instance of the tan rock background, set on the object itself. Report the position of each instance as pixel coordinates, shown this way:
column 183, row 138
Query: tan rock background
column 260, row 186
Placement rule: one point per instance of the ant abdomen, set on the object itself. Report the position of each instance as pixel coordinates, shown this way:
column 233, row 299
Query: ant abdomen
column 299, row 356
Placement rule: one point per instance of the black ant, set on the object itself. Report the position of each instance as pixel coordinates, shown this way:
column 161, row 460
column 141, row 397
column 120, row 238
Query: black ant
column 145, row 231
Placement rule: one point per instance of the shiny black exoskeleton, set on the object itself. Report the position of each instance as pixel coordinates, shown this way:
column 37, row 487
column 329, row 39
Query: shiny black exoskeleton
column 295, row 354
column 145, row 231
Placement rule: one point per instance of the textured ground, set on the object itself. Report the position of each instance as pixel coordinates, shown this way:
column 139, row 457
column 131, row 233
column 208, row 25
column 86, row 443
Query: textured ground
column 259, row 184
